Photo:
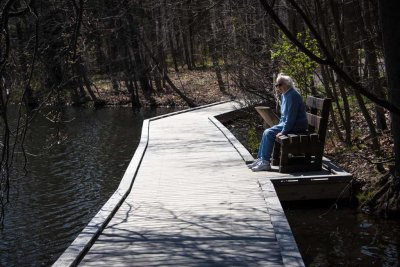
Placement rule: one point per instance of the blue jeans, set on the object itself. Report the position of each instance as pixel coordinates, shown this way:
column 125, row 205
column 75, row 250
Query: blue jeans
column 267, row 142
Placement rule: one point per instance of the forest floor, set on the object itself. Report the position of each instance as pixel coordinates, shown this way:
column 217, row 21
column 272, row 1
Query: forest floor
column 202, row 88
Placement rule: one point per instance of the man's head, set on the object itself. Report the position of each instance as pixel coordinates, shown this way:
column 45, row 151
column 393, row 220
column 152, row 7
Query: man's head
column 283, row 83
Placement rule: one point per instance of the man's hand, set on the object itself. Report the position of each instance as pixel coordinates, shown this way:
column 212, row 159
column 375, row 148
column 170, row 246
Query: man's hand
column 279, row 134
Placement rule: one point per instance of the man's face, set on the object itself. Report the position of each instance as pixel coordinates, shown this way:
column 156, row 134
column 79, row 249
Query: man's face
column 279, row 87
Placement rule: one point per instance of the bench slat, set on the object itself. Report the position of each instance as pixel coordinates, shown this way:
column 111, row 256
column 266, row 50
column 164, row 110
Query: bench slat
column 294, row 138
column 314, row 120
column 315, row 103
column 283, row 139
column 314, row 138
column 304, row 138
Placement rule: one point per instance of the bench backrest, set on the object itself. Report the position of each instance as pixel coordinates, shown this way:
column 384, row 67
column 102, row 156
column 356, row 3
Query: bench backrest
column 318, row 115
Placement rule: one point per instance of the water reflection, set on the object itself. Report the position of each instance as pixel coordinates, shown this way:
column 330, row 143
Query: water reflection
column 344, row 237
column 67, row 181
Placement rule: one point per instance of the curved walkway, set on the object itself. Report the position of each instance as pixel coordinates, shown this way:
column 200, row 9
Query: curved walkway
column 194, row 203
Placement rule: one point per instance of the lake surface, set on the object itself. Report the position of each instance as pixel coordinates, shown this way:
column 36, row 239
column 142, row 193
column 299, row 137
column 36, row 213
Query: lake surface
column 335, row 236
column 343, row 236
column 73, row 168
column 68, row 182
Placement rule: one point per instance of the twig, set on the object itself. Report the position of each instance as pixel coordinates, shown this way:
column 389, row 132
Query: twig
column 375, row 162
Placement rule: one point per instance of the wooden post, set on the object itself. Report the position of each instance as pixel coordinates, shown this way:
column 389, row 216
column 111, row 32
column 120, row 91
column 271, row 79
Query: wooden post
column 269, row 117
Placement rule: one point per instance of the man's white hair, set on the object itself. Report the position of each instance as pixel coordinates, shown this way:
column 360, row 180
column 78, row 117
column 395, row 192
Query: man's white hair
column 282, row 78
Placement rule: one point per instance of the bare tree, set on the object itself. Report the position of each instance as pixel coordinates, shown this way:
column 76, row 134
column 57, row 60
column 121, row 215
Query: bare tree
column 387, row 200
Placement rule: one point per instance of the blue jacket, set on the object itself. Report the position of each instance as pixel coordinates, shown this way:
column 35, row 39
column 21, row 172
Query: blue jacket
column 293, row 112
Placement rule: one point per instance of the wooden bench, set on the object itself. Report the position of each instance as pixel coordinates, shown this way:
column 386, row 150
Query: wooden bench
column 268, row 115
column 303, row 152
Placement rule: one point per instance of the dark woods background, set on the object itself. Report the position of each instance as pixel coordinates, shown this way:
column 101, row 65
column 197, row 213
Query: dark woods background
column 78, row 51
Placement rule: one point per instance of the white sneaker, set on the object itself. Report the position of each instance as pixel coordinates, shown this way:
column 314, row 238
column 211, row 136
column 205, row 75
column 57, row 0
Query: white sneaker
column 262, row 165
column 251, row 165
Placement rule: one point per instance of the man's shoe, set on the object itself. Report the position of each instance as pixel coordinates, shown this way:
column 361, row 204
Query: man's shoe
column 262, row 165
column 251, row 165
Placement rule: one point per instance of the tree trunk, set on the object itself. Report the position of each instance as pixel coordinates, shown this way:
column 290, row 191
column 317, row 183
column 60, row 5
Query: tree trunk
column 371, row 60
column 141, row 71
column 346, row 119
column 350, row 59
column 330, row 95
column 173, row 49
column 82, row 71
column 391, row 42
column 134, row 96
column 214, row 51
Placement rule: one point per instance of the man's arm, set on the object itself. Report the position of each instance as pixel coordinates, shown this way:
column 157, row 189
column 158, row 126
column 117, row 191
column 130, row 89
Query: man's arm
column 292, row 106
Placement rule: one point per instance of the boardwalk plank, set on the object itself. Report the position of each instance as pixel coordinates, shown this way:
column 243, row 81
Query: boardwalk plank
column 193, row 203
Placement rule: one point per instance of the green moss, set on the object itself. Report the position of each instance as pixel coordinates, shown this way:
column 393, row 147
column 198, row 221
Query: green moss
column 365, row 196
column 253, row 140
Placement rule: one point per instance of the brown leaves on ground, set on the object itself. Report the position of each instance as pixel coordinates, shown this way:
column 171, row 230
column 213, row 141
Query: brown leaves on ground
column 360, row 159
column 200, row 86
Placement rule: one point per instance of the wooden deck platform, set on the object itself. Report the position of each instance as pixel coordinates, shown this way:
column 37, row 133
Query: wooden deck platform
column 188, row 199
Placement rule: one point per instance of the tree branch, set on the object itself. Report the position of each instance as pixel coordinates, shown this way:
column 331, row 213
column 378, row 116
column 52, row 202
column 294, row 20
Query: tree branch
column 329, row 58
column 289, row 35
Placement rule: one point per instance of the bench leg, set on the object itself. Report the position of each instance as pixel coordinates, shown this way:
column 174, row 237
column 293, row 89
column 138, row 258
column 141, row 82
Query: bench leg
column 284, row 159
column 275, row 154
column 318, row 162
column 307, row 158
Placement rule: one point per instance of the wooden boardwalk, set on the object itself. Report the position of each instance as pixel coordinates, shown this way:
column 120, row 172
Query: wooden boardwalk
column 193, row 203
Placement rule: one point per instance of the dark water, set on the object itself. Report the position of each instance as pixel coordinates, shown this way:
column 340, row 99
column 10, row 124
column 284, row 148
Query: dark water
column 344, row 237
column 340, row 237
column 67, row 182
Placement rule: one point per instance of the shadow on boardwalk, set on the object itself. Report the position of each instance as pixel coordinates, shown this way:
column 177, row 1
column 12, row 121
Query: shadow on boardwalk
column 191, row 239
column 193, row 203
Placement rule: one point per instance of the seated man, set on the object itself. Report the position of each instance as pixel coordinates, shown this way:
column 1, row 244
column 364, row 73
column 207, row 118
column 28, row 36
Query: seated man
column 293, row 120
